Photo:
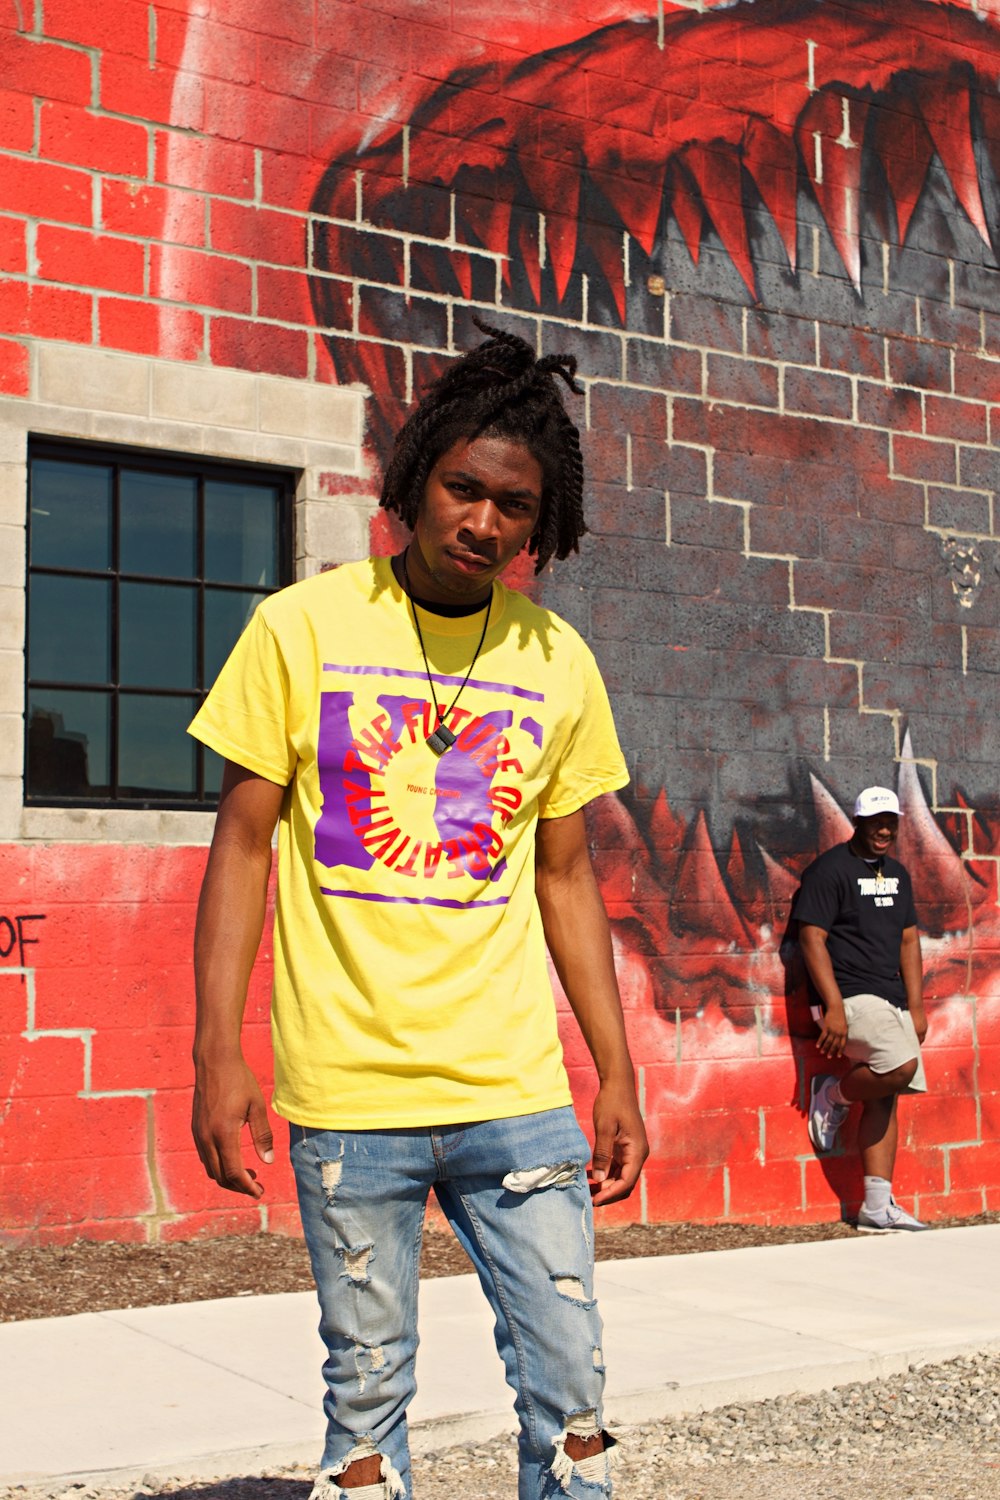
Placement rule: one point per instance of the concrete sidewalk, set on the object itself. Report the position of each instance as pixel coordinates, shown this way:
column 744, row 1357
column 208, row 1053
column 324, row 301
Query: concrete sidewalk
column 226, row 1388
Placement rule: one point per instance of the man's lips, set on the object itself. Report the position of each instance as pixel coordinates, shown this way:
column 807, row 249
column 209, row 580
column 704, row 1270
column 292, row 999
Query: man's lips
column 470, row 561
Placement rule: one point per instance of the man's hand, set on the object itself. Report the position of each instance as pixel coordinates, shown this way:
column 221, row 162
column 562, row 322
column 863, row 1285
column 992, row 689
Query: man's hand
column 230, row 920
column 911, row 968
column 620, row 1145
column 225, row 1099
column 919, row 1018
column 833, row 1032
column 579, row 940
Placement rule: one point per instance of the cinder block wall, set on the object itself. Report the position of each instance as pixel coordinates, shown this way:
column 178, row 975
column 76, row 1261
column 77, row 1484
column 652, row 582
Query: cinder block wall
column 768, row 232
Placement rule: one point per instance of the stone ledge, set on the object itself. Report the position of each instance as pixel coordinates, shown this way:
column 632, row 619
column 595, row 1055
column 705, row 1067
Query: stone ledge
column 80, row 379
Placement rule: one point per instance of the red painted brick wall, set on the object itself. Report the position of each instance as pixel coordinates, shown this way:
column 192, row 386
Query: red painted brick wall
column 95, row 1049
column 769, row 234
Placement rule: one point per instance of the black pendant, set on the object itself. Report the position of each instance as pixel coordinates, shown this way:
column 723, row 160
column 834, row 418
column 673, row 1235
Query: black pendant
column 441, row 740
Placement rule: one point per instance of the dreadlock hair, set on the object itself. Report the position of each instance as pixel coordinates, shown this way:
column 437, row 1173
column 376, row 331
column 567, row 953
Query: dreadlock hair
column 498, row 390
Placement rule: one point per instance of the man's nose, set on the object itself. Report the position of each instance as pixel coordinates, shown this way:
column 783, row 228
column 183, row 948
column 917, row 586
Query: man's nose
column 481, row 520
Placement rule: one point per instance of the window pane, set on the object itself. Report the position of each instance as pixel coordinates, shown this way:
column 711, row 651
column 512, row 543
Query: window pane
column 226, row 614
column 142, row 575
column 69, row 629
column 69, row 744
column 158, row 523
column 157, row 639
column 70, row 515
column 155, row 755
column 241, row 533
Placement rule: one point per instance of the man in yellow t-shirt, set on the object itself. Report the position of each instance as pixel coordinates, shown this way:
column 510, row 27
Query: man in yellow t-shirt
column 427, row 740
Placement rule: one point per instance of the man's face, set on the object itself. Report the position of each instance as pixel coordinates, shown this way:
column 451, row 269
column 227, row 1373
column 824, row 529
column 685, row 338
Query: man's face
column 874, row 836
column 479, row 507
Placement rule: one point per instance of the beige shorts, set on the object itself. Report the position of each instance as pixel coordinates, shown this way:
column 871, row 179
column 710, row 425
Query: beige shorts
column 881, row 1035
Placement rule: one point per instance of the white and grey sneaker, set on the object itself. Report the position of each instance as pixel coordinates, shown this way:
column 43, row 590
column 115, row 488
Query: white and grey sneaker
column 825, row 1117
column 886, row 1219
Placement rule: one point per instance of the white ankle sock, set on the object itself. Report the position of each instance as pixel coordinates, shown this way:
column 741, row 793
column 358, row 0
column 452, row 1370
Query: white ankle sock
column 834, row 1095
column 877, row 1193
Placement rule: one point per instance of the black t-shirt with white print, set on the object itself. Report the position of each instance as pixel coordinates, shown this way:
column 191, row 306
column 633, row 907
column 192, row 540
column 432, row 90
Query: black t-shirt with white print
column 864, row 909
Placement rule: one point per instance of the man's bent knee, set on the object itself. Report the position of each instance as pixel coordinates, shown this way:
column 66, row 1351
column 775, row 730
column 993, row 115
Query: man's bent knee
column 900, row 1078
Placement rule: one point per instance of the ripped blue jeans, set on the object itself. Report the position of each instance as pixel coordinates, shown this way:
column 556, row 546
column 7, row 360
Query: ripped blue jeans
column 515, row 1192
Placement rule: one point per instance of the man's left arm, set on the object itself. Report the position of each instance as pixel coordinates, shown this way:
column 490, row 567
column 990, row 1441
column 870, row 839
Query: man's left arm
column 579, row 939
column 912, row 969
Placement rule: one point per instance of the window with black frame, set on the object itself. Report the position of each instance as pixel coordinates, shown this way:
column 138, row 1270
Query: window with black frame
column 142, row 571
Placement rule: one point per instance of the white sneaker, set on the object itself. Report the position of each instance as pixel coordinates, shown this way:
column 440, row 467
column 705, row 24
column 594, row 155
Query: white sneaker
column 825, row 1117
column 885, row 1220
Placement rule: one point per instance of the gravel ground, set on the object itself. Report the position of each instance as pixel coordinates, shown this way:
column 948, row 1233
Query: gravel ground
column 930, row 1434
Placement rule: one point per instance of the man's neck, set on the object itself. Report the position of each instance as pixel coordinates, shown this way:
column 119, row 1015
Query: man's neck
column 431, row 606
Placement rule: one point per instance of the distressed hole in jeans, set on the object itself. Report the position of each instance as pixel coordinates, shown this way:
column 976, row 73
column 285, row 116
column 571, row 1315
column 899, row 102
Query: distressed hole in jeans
column 363, row 1448
column 357, row 1259
column 570, row 1287
column 598, row 1356
column 390, row 1486
column 530, row 1179
column 595, row 1469
column 330, row 1172
column 369, row 1359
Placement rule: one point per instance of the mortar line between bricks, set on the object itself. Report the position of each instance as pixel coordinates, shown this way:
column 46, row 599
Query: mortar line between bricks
column 413, row 236
column 888, row 713
column 37, row 35
column 205, row 309
column 89, row 1093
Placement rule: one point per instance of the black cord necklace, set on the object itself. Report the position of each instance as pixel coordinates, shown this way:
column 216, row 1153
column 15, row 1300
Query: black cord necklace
column 442, row 738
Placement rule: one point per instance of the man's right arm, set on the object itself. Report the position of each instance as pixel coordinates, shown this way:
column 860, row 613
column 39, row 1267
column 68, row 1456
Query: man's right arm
column 833, row 1032
column 230, row 922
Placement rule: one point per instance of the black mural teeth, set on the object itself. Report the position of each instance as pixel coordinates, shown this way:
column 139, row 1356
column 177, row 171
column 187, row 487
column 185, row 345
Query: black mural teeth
column 572, row 206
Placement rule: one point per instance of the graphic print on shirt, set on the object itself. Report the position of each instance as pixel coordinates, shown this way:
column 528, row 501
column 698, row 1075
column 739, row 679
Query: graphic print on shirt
column 389, row 801
column 882, row 887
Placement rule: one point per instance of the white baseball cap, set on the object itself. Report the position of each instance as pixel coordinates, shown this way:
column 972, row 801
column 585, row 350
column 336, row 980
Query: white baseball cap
column 874, row 800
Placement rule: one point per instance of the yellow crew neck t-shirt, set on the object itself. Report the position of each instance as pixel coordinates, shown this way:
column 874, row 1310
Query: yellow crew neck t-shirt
column 410, row 979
